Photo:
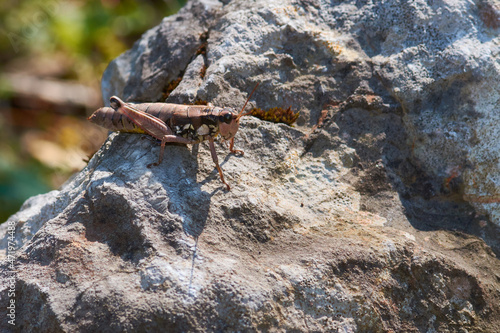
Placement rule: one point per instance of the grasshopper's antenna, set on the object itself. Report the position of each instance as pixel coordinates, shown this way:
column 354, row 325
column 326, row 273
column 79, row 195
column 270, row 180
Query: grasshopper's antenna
column 241, row 114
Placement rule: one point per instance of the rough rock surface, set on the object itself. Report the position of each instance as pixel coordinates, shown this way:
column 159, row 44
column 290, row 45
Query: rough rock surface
column 382, row 218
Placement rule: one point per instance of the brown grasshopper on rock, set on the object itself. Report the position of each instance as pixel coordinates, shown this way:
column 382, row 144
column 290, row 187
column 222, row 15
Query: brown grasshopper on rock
column 168, row 122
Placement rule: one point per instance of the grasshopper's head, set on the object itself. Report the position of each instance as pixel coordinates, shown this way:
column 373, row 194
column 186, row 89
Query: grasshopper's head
column 229, row 120
column 228, row 123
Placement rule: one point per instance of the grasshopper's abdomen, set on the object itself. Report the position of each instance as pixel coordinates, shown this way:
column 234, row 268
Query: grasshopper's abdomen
column 115, row 121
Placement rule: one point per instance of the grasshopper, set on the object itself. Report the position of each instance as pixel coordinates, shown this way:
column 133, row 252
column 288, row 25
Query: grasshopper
column 167, row 122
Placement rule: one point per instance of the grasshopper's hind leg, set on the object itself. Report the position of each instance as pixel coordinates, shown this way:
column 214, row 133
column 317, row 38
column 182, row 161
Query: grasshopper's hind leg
column 160, row 157
column 170, row 138
column 174, row 138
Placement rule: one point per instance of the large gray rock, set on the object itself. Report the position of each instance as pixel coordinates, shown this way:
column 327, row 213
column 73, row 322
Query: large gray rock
column 331, row 229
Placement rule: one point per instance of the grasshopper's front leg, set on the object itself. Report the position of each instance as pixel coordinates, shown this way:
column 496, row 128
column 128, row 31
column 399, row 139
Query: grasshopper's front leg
column 235, row 151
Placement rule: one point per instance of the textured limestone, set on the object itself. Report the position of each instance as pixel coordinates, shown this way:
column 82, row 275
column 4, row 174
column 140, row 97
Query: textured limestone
column 326, row 228
column 137, row 249
column 437, row 62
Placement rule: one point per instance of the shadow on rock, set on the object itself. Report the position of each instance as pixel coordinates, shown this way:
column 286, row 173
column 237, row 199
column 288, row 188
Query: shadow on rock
column 384, row 163
column 186, row 198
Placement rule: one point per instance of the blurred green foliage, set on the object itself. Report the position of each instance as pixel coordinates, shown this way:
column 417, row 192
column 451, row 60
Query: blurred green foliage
column 19, row 181
column 80, row 38
column 87, row 34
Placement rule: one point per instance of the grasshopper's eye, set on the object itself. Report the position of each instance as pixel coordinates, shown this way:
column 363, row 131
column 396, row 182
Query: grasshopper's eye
column 226, row 117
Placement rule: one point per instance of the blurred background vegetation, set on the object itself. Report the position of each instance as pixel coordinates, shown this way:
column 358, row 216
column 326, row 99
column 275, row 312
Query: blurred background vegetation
column 52, row 56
